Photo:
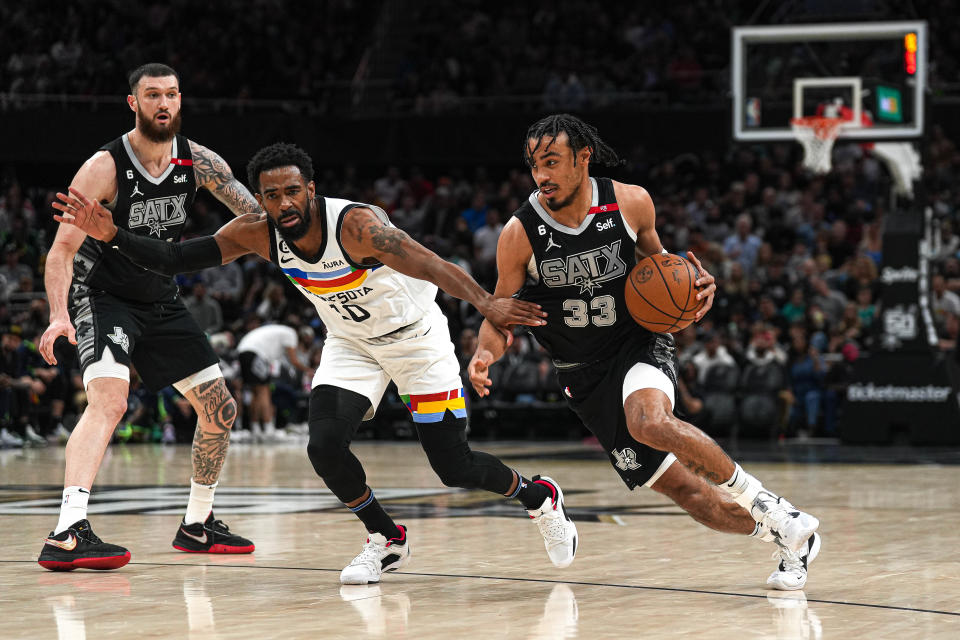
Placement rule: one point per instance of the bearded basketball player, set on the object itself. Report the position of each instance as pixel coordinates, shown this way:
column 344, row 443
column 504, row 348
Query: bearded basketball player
column 119, row 314
column 570, row 249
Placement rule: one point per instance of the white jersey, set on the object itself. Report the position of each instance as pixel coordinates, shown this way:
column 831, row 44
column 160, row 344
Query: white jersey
column 269, row 342
column 353, row 300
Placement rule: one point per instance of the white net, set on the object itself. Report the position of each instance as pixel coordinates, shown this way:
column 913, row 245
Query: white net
column 903, row 161
column 817, row 136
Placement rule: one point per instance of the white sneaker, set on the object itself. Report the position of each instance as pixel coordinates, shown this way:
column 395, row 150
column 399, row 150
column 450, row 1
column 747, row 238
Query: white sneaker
column 33, row 439
column 9, row 439
column 791, row 526
column 791, row 574
column 378, row 556
column 558, row 530
column 61, row 434
column 240, row 436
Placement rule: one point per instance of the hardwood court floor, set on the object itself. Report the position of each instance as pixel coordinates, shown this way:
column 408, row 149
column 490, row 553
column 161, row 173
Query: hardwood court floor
column 889, row 567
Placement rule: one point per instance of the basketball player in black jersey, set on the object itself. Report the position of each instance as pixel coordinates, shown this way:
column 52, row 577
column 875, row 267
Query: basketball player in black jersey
column 570, row 248
column 119, row 314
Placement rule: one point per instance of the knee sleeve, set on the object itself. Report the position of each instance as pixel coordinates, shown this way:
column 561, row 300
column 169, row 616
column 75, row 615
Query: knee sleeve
column 445, row 444
column 335, row 414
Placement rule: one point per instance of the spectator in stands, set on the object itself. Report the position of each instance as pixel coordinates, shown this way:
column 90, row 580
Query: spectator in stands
column 485, row 243
column 14, row 205
column 225, row 285
column 807, row 372
column 17, row 388
column 388, row 189
column 763, row 348
column 12, row 271
column 476, row 214
column 274, row 305
column 831, row 301
column 204, row 309
column 743, row 244
column 943, row 302
column 796, row 308
column 409, row 216
column 519, row 372
column 713, row 354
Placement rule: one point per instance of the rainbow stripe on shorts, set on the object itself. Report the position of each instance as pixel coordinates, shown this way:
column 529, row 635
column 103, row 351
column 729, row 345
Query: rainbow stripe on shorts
column 431, row 406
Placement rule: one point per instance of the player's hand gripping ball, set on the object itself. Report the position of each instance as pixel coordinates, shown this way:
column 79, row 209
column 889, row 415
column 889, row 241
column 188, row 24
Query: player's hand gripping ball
column 661, row 294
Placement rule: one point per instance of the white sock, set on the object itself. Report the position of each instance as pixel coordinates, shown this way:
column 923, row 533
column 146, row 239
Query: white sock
column 269, row 427
column 762, row 533
column 743, row 488
column 73, row 507
column 200, row 503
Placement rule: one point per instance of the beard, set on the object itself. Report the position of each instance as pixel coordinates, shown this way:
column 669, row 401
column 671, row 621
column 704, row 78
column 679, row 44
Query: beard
column 155, row 132
column 291, row 234
column 556, row 205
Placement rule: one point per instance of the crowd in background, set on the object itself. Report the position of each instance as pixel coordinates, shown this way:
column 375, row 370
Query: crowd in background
column 426, row 56
column 796, row 258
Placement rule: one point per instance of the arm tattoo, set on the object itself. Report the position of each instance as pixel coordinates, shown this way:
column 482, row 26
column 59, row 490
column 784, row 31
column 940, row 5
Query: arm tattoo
column 388, row 239
column 214, row 174
column 216, row 410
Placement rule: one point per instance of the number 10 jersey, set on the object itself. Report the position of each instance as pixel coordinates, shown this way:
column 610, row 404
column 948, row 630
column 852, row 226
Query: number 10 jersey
column 578, row 277
column 356, row 301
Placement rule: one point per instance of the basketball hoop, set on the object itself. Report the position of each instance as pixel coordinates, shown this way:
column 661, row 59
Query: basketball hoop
column 817, row 135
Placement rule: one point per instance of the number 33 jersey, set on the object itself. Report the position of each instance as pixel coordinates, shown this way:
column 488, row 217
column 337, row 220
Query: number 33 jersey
column 578, row 276
column 356, row 301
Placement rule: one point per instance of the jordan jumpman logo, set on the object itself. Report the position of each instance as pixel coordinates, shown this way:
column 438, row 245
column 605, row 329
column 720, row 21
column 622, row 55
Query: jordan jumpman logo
column 136, row 189
column 551, row 244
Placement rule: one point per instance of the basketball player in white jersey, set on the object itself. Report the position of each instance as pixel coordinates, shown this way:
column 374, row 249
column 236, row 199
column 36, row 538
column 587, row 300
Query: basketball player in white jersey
column 374, row 288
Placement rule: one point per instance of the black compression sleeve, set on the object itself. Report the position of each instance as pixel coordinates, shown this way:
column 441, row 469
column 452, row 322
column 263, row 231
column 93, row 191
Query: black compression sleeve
column 168, row 258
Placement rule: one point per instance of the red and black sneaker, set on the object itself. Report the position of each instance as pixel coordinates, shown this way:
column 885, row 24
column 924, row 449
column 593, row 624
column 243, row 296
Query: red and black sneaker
column 79, row 548
column 210, row 536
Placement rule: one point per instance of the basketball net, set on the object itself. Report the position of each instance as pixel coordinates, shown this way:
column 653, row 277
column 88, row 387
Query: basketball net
column 817, row 135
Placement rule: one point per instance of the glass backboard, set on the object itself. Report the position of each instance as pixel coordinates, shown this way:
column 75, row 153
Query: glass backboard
column 871, row 73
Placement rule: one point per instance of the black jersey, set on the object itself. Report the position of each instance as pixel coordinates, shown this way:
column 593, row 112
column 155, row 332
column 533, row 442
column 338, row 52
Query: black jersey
column 146, row 206
column 578, row 276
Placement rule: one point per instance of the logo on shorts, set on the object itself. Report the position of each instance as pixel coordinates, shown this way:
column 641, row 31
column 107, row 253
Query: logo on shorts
column 120, row 338
column 626, row 459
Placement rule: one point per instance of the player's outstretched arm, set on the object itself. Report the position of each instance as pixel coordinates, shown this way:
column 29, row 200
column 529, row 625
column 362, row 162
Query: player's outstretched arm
column 243, row 235
column 513, row 254
column 366, row 236
column 214, row 174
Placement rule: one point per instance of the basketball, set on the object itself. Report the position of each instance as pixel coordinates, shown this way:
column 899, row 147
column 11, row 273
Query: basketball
column 661, row 294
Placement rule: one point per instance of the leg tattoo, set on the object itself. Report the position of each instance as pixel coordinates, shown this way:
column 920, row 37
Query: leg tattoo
column 216, row 411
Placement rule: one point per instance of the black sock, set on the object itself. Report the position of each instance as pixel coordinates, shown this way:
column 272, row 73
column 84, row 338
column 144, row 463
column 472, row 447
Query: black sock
column 375, row 519
column 530, row 494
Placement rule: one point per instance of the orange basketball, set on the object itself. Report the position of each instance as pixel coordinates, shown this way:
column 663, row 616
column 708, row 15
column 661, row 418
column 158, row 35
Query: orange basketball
column 661, row 294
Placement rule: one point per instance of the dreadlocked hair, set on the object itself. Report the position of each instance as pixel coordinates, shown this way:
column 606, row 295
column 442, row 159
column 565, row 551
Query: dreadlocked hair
column 579, row 133
column 279, row 154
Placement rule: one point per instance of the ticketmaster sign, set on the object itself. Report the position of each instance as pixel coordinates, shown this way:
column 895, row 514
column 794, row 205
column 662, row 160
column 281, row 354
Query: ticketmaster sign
column 890, row 393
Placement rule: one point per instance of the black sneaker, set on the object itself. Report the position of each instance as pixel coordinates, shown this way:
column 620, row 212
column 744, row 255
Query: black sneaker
column 210, row 536
column 79, row 548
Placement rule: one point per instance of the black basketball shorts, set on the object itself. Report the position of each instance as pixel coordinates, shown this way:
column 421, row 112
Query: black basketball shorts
column 254, row 370
column 161, row 340
column 595, row 393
